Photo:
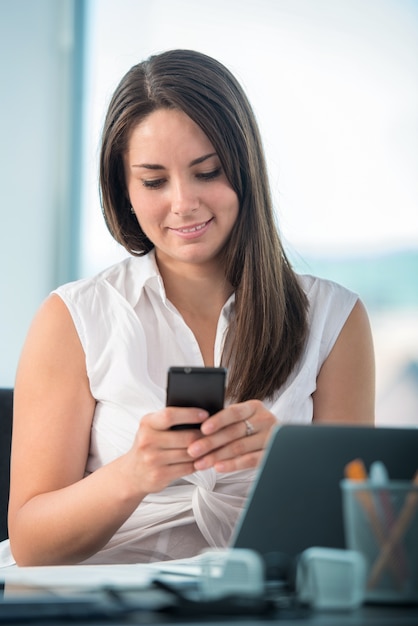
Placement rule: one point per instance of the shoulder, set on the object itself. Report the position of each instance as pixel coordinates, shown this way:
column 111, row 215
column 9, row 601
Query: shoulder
column 323, row 289
column 326, row 296
column 330, row 305
column 97, row 305
column 124, row 279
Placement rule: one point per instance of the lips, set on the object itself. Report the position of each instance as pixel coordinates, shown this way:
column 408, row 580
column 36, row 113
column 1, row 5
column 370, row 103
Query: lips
column 196, row 229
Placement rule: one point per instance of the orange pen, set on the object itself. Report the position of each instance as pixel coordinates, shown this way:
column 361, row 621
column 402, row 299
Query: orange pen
column 355, row 470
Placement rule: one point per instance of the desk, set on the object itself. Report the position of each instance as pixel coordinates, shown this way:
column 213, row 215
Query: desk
column 141, row 594
column 362, row 617
column 366, row 615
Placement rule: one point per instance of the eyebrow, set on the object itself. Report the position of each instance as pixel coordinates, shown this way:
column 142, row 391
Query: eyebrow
column 156, row 166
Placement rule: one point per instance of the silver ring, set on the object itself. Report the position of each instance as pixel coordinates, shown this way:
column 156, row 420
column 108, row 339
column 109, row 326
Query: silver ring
column 249, row 428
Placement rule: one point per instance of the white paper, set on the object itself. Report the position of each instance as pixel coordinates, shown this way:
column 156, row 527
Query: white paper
column 80, row 576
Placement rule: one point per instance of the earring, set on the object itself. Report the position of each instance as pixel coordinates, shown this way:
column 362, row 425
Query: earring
column 132, row 210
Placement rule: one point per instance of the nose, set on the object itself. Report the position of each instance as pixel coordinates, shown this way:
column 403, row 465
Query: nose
column 184, row 200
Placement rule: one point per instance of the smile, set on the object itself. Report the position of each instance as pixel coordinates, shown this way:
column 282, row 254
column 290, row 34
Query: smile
column 191, row 232
column 192, row 229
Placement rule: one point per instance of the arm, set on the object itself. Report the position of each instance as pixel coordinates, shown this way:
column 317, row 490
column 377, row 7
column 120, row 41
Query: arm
column 56, row 515
column 345, row 390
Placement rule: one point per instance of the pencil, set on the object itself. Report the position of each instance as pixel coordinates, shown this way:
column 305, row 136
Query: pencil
column 379, row 477
column 356, row 471
column 398, row 532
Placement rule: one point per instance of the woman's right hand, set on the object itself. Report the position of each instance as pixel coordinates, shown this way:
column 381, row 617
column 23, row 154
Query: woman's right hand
column 57, row 515
column 159, row 454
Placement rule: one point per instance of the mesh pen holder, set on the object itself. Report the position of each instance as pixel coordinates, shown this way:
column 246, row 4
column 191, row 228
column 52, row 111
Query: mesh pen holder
column 381, row 522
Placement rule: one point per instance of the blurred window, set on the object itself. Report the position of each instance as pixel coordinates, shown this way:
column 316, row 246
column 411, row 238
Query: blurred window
column 334, row 84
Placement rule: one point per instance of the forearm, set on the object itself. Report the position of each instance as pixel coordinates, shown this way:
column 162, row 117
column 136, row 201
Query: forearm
column 71, row 524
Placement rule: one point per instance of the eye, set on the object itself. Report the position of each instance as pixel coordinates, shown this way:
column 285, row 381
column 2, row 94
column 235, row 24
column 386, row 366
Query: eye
column 154, row 183
column 209, row 175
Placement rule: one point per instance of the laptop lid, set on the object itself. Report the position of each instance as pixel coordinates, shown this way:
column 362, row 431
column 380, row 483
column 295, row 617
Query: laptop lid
column 295, row 502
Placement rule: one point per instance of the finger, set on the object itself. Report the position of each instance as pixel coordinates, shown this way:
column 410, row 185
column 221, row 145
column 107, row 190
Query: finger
column 175, row 416
column 162, row 441
column 234, row 449
column 246, row 461
column 158, row 477
column 232, row 424
column 159, row 457
column 230, row 415
column 235, row 413
column 207, row 444
column 186, row 418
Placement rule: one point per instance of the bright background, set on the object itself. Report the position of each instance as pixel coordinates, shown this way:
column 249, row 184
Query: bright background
column 334, row 84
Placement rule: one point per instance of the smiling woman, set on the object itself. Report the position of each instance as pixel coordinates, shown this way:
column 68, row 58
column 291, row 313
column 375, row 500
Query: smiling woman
column 334, row 86
column 185, row 190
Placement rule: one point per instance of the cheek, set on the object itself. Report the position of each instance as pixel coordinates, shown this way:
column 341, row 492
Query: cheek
column 147, row 207
column 146, row 218
column 227, row 200
column 233, row 206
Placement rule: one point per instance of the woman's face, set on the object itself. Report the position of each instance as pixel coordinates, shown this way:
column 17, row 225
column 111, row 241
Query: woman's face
column 178, row 189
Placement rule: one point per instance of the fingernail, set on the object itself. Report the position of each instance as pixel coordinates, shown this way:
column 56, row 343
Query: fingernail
column 195, row 449
column 207, row 428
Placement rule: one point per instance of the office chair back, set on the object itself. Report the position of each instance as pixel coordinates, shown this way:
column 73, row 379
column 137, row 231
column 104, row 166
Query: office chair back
column 6, row 417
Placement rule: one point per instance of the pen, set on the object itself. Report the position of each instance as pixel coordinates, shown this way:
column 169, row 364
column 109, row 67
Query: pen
column 356, row 471
column 399, row 530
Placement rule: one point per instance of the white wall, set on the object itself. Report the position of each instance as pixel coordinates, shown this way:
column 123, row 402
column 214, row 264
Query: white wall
column 35, row 76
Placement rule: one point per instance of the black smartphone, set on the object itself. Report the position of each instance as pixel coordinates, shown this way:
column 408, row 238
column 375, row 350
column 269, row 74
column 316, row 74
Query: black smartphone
column 200, row 387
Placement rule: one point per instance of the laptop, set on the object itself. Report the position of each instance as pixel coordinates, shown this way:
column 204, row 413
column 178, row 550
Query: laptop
column 295, row 502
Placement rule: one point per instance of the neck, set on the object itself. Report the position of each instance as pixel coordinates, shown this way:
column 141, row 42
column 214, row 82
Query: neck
column 200, row 290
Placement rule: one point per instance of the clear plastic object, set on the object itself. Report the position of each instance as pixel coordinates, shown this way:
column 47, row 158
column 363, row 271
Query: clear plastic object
column 328, row 578
column 231, row 572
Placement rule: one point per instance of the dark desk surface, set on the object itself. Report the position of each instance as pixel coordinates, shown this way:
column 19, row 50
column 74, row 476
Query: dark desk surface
column 358, row 618
column 362, row 617
column 48, row 612
column 163, row 604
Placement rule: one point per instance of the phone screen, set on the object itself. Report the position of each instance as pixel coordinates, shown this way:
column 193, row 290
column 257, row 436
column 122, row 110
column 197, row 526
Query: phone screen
column 200, row 387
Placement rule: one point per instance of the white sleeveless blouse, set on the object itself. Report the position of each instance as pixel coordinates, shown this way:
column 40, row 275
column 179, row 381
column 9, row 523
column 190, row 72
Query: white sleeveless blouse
column 131, row 334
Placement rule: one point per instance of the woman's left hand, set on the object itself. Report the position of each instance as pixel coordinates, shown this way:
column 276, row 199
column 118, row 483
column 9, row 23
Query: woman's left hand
column 235, row 438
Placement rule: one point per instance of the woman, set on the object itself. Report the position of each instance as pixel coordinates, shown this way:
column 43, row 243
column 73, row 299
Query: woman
column 97, row 473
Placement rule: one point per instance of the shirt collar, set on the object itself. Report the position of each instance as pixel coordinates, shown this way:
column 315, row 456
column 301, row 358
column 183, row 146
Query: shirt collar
column 136, row 274
column 144, row 274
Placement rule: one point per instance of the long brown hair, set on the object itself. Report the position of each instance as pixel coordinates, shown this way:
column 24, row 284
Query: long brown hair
column 268, row 331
